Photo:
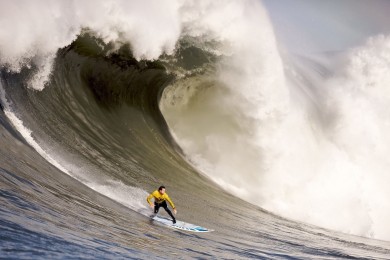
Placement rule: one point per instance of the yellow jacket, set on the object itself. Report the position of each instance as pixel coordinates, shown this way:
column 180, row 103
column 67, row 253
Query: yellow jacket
column 158, row 198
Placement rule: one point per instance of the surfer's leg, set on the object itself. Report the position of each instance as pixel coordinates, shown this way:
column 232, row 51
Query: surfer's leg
column 156, row 207
column 165, row 206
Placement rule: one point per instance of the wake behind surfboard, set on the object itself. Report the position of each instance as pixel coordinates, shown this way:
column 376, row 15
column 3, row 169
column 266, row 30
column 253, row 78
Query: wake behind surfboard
column 180, row 225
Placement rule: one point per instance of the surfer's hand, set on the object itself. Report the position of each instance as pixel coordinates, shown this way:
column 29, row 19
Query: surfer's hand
column 175, row 211
column 151, row 205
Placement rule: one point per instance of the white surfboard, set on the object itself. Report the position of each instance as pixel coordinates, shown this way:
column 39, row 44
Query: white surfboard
column 180, row 225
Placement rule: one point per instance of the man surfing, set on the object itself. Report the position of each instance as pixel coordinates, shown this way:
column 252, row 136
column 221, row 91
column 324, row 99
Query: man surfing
column 160, row 200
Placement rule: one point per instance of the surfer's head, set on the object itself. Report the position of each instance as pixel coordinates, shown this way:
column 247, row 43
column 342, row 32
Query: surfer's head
column 161, row 189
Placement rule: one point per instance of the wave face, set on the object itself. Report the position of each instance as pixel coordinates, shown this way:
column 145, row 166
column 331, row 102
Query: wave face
column 266, row 147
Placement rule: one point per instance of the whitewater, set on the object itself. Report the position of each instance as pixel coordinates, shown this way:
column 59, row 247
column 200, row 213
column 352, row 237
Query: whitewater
column 267, row 122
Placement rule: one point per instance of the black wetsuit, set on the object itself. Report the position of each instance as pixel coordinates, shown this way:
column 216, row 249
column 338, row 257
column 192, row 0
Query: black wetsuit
column 164, row 205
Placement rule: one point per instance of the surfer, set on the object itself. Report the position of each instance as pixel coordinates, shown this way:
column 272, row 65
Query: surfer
column 160, row 200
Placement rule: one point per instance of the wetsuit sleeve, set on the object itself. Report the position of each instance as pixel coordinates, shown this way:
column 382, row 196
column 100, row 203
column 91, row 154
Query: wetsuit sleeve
column 148, row 199
column 170, row 201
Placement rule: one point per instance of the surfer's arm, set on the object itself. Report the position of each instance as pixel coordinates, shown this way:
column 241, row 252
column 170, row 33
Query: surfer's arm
column 148, row 199
column 170, row 201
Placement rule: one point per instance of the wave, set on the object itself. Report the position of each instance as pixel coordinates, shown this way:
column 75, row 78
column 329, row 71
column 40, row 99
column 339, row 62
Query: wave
column 123, row 96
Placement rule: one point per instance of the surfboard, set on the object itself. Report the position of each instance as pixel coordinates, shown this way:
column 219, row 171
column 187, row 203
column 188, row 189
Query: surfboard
column 180, row 225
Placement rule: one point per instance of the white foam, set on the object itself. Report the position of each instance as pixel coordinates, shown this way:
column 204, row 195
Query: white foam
column 45, row 26
column 250, row 133
column 131, row 197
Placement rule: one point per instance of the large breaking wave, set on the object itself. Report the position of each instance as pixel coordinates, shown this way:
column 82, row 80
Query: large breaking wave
column 304, row 137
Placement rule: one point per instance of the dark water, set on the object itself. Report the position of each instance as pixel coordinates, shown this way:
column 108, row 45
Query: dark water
column 99, row 119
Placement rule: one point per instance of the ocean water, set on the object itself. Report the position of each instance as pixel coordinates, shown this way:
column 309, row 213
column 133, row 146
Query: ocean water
column 275, row 139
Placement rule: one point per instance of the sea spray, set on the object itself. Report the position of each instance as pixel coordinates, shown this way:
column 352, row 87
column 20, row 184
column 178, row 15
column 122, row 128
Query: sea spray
column 34, row 31
column 252, row 131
